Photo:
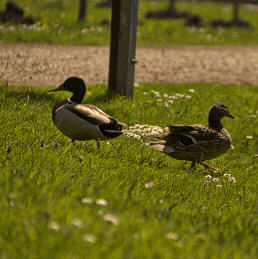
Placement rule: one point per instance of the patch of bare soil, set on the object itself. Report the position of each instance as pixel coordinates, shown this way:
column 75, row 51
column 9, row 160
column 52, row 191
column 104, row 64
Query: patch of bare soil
column 43, row 64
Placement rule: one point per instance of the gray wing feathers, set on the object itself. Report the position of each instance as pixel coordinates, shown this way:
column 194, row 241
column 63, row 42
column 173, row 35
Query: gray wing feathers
column 90, row 113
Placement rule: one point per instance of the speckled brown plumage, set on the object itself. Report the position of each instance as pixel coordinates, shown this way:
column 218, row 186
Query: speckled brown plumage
column 196, row 143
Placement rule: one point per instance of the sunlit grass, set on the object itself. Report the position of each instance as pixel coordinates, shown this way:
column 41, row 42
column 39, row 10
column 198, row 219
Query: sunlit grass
column 64, row 200
column 57, row 24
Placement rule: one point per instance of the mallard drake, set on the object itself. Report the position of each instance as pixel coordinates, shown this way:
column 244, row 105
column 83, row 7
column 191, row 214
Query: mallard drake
column 197, row 143
column 82, row 121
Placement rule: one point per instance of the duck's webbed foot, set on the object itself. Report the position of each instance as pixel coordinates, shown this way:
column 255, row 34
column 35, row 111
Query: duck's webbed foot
column 193, row 164
column 212, row 169
column 98, row 144
column 183, row 166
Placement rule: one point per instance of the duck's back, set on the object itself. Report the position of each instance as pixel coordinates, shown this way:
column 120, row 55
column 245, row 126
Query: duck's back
column 80, row 121
column 193, row 142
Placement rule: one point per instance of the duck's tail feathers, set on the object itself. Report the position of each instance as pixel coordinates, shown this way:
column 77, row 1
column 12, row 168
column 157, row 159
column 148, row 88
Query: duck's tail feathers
column 161, row 147
column 112, row 133
column 111, row 130
column 161, row 137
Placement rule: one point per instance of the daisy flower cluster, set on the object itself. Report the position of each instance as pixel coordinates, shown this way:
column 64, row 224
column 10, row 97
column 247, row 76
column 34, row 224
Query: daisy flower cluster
column 149, row 185
column 167, row 100
column 252, row 114
column 230, row 178
column 78, row 223
column 91, row 29
column 209, row 179
column 138, row 131
column 24, row 27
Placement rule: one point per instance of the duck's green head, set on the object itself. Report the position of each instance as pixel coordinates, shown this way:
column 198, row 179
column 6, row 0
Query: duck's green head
column 75, row 85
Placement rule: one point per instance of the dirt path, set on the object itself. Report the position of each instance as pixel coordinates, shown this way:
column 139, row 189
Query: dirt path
column 38, row 64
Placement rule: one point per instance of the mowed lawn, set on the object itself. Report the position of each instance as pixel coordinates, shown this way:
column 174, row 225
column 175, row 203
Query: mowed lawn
column 56, row 23
column 65, row 200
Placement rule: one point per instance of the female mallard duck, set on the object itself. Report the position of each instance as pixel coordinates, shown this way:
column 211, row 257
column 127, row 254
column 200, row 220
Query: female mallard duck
column 82, row 121
column 197, row 142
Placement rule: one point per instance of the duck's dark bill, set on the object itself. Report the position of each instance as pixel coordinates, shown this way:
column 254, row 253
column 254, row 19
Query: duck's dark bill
column 59, row 88
column 230, row 115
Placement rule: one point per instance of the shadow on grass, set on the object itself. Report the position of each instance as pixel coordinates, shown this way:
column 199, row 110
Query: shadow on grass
column 41, row 94
column 103, row 97
column 37, row 95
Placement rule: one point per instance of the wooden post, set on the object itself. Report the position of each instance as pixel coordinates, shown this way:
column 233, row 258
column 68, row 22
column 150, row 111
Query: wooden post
column 82, row 10
column 123, row 45
column 235, row 10
column 172, row 7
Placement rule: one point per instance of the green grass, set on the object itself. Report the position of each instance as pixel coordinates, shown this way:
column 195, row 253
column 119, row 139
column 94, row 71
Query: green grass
column 42, row 185
column 57, row 24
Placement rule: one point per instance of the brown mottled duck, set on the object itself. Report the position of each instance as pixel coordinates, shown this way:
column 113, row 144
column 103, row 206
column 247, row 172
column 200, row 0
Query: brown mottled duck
column 197, row 143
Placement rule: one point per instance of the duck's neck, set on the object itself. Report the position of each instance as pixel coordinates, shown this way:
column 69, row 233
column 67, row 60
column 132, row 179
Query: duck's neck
column 215, row 123
column 78, row 96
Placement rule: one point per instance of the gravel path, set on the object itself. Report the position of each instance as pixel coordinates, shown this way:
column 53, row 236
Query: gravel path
column 42, row 64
